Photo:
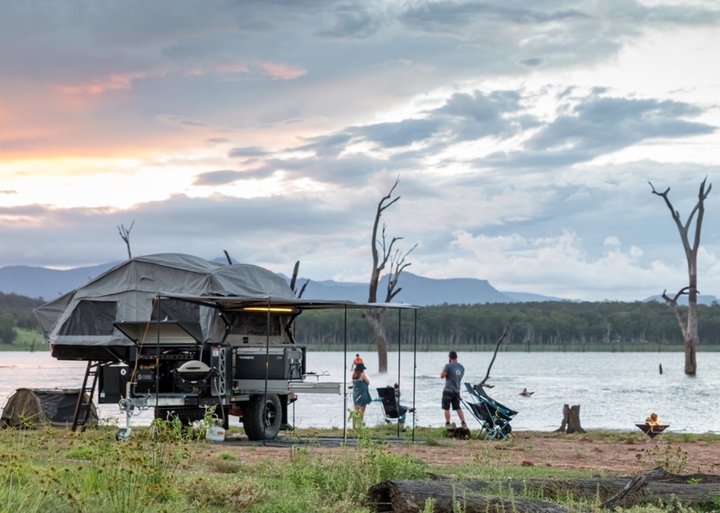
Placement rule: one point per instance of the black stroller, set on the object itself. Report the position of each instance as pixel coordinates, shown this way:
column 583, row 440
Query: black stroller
column 493, row 416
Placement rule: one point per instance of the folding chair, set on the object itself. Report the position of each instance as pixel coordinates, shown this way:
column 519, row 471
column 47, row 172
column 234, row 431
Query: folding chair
column 392, row 409
column 494, row 417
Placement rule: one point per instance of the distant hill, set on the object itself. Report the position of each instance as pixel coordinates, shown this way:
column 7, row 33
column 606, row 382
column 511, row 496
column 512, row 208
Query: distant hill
column 416, row 290
column 703, row 299
column 41, row 282
column 527, row 297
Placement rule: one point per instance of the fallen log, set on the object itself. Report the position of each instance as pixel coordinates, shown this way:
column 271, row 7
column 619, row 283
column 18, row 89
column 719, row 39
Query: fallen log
column 653, row 487
column 411, row 496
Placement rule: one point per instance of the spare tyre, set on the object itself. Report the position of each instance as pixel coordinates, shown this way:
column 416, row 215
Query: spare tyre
column 262, row 417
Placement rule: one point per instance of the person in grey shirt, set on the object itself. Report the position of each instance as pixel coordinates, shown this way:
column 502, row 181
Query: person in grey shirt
column 453, row 373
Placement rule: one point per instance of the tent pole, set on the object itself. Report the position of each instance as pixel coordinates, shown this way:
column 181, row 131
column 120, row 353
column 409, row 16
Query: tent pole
column 414, row 369
column 267, row 367
column 157, row 354
column 399, row 348
column 345, row 348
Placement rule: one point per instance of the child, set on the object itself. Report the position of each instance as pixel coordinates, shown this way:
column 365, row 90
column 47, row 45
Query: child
column 356, row 361
column 652, row 420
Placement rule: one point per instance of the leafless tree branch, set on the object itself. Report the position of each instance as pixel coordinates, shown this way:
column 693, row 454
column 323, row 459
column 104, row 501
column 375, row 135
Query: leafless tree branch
column 125, row 235
column 500, row 340
column 398, row 264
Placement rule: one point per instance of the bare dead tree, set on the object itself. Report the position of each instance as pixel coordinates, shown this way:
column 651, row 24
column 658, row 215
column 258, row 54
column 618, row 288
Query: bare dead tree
column 227, row 257
column 125, row 235
column 688, row 320
column 293, row 281
column 384, row 253
column 503, row 336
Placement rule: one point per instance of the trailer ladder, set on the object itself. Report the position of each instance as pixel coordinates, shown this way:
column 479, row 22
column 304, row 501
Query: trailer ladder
column 83, row 406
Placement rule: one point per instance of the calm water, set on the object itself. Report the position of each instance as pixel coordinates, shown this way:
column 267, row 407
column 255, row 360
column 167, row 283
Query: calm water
column 614, row 389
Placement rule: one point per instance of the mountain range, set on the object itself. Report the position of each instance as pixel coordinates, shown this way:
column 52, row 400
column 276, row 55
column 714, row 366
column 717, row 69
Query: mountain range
column 42, row 282
column 45, row 283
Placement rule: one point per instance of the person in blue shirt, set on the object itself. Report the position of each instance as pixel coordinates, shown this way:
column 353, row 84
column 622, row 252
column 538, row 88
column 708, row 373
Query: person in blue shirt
column 452, row 373
column 361, row 391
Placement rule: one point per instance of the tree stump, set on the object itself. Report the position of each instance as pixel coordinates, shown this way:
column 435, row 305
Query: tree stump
column 571, row 420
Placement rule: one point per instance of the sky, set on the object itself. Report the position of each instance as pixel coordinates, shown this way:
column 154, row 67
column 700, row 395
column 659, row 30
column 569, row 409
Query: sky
column 524, row 135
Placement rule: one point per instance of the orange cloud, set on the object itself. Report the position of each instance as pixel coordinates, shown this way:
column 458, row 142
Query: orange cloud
column 281, row 71
column 124, row 81
column 113, row 82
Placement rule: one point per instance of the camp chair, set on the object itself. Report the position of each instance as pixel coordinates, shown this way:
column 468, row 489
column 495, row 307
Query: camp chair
column 493, row 416
column 652, row 430
column 392, row 410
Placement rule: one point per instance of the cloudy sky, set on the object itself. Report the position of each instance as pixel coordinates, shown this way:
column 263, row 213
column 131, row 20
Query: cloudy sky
column 523, row 134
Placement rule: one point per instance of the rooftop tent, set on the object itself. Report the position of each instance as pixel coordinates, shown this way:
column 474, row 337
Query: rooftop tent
column 83, row 324
column 33, row 407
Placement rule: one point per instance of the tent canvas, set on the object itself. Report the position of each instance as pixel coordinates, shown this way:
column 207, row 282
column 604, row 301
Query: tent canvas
column 90, row 315
column 34, row 407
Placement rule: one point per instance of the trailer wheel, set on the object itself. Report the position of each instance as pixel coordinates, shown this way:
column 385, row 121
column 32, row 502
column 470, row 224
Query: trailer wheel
column 262, row 417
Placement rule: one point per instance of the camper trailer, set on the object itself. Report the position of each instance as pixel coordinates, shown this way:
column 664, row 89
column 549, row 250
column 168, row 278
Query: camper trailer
column 181, row 334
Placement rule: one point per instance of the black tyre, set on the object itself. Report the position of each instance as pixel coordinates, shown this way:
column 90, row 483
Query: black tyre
column 262, row 417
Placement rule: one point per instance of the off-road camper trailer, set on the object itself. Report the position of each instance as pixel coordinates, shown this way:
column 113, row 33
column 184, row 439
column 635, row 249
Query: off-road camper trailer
column 180, row 334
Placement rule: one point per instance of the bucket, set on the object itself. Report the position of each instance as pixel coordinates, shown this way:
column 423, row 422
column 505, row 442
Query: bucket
column 215, row 433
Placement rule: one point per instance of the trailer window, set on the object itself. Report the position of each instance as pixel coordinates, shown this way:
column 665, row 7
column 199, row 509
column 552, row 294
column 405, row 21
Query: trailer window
column 91, row 318
column 254, row 324
column 173, row 309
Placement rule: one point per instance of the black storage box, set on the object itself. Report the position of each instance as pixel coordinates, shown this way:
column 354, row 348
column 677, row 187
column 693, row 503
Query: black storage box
column 284, row 363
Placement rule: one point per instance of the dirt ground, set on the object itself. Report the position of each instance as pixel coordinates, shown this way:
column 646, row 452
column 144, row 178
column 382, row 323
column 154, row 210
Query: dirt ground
column 626, row 455
column 616, row 454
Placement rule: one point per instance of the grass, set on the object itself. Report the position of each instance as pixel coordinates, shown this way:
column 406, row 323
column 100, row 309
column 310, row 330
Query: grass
column 160, row 471
column 163, row 469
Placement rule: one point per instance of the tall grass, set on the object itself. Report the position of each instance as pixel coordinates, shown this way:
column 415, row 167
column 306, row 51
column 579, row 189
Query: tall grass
column 163, row 470
column 167, row 469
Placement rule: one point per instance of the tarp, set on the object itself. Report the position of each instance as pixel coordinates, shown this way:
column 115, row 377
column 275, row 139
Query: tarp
column 33, row 407
column 88, row 315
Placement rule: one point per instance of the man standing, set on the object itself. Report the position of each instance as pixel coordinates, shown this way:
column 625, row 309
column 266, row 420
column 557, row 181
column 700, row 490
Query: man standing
column 453, row 373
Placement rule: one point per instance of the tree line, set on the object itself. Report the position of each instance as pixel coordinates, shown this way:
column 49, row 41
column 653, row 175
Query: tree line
column 532, row 325
column 541, row 325
column 16, row 312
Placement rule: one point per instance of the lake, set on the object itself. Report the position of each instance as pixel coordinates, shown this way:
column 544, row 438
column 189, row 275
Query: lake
column 614, row 390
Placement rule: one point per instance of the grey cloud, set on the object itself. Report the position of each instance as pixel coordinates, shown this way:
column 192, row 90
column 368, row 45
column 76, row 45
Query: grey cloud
column 191, row 225
column 433, row 14
column 352, row 20
column 212, row 178
column 217, row 140
column 463, row 117
column 402, row 133
column 532, row 62
column 247, row 152
column 598, row 126
column 330, row 145
column 595, row 125
column 350, row 170
column 181, row 121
